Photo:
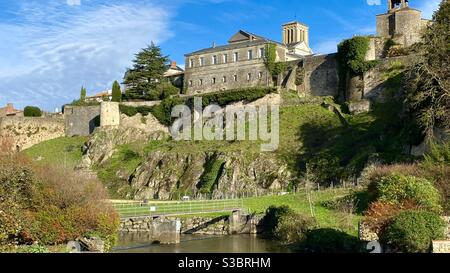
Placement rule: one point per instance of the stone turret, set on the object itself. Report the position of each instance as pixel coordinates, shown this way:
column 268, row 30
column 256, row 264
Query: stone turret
column 401, row 23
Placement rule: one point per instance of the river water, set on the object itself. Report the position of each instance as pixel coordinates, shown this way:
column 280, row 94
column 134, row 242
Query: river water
column 138, row 243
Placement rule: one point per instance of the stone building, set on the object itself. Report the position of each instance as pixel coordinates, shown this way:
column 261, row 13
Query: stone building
column 240, row 63
column 401, row 23
column 9, row 111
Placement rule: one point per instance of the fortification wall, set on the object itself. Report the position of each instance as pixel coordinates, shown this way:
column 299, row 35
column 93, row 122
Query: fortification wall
column 24, row 132
column 81, row 120
column 321, row 76
column 375, row 79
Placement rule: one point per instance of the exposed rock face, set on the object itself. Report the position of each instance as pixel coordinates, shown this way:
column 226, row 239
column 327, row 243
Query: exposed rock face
column 165, row 173
column 103, row 143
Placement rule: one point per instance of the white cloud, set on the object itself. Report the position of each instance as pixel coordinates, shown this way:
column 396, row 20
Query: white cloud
column 45, row 63
column 73, row 2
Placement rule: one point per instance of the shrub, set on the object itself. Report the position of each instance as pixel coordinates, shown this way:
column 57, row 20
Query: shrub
column 51, row 205
column 32, row 111
column 438, row 154
column 292, row 227
column 166, row 90
column 399, row 188
column 272, row 217
column 329, row 240
column 379, row 214
column 413, row 231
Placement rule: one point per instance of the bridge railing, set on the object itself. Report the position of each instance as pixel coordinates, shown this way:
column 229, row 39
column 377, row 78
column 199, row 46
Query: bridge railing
column 129, row 210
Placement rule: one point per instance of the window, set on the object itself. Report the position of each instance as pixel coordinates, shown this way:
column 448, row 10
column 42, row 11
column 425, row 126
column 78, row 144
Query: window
column 213, row 80
column 236, row 56
column 260, row 75
column 202, row 61
column 224, row 79
column 250, row 54
column 225, row 58
column 249, row 76
column 191, row 83
column 214, row 59
column 235, row 78
column 262, row 52
column 191, row 63
column 201, row 81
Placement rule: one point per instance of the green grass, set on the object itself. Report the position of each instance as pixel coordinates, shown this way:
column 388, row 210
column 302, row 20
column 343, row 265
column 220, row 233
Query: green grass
column 325, row 216
column 64, row 151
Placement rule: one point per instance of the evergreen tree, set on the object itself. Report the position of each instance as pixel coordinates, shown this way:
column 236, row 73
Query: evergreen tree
column 428, row 81
column 147, row 73
column 83, row 93
column 116, row 92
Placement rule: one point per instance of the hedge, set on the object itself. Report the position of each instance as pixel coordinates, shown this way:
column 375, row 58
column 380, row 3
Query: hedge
column 163, row 111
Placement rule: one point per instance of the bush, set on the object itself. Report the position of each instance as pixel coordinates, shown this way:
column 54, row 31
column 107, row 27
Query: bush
column 292, row 227
column 439, row 154
column 329, row 240
column 413, row 231
column 272, row 217
column 397, row 188
column 284, row 224
column 32, row 111
column 231, row 96
column 166, row 90
column 379, row 214
column 51, row 205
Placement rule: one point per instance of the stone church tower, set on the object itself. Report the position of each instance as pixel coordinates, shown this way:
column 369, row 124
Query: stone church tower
column 296, row 38
column 401, row 23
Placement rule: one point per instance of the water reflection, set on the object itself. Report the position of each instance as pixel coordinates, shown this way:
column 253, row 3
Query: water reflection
column 138, row 243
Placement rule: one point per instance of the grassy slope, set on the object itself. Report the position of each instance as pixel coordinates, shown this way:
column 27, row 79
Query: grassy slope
column 64, row 151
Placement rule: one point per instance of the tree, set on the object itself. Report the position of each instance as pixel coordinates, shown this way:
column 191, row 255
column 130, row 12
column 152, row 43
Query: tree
column 116, row 92
column 83, row 93
column 428, row 79
column 32, row 111
column 147, row 73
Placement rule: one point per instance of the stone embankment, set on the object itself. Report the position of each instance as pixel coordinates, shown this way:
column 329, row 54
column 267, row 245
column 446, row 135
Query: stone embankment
column 237, row 223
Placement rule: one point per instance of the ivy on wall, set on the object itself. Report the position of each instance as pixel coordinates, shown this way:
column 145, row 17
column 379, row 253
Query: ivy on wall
column 352, row 59
column 275, row 68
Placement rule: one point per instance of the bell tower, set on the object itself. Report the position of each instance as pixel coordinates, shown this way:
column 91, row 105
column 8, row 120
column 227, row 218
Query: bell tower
column 295, row 32
column 394, row 4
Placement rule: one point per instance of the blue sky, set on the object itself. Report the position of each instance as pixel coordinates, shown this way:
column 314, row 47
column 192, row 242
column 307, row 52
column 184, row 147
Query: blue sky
column 50, row 48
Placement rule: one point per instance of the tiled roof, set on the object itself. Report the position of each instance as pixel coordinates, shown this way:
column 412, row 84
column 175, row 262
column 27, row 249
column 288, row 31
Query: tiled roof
column 260, row 40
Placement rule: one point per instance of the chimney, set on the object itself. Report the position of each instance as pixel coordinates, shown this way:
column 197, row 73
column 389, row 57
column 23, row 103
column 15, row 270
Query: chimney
column 173, row 65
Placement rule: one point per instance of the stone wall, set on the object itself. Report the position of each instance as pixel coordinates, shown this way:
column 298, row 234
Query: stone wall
column 374, row 82
column 321, row 76
column 140, row 103
column 241, row 224
column 81, row 120
column 25, row 132
column 109, row 114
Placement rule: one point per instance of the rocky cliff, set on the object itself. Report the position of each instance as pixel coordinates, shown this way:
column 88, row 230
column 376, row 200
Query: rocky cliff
column 166, row 175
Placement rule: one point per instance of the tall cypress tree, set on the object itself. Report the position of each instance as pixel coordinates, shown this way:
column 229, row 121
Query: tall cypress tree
column 147, row 73
column 116, row 92
column 83, row 93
